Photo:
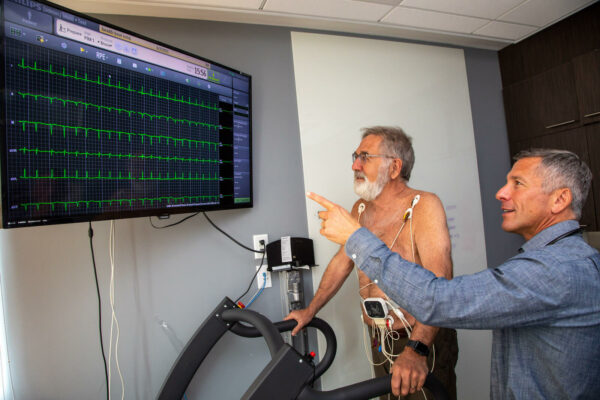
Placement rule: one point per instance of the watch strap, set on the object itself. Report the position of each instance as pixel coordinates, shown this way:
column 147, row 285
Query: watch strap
column 419, row 347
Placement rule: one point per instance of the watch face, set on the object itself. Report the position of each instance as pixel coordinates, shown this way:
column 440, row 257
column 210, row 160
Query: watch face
column 374, row 309
column 420, row 348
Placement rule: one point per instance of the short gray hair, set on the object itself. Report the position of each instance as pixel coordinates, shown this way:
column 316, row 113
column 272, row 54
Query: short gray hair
column 563, row 169
column 395, row 143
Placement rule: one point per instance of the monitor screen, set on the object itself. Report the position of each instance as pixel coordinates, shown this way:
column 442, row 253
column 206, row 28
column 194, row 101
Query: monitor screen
column 99, row 122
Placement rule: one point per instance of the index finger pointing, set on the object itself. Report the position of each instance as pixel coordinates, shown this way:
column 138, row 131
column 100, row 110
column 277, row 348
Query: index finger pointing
column 321, row 200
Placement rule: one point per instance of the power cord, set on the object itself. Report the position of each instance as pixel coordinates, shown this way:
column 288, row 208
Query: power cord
column 263, row 244
column 263, row 252
column 91, row 235
column 262, row 260
column 174, row 223
column 264, row 275
column 212, row 223
column 230, row 237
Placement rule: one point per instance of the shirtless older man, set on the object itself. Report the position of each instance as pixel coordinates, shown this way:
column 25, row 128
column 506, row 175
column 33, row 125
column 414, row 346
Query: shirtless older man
column 412, row 223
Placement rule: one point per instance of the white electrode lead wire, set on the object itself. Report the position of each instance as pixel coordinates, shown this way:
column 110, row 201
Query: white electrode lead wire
column 114, row 323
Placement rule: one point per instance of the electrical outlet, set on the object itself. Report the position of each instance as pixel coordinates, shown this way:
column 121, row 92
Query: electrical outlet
column 259, row 277
column 258, row 246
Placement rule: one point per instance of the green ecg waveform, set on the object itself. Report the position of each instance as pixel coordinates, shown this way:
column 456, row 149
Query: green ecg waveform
column 169, row 199
column 109, row 132
column 120, row 176
column 119, row 110
column 86, row 154
column 84, row 78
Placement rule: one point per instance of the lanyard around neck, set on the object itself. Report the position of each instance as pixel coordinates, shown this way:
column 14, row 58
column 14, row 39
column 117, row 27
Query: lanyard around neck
column 564, row 235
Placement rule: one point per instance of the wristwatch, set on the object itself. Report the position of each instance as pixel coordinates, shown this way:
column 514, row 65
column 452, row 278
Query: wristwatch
column 419, row 347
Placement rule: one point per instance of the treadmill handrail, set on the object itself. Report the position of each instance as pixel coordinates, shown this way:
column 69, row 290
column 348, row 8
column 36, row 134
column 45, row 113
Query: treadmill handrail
column 359, row 391
column 370, row 388
column 225, row 317
column 260, row 322
column 285, row 326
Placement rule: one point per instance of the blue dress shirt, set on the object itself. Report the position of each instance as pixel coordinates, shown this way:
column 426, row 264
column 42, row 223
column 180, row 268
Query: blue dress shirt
column 543, row 305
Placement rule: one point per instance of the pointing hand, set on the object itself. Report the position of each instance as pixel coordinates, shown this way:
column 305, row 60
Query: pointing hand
column 337, row 224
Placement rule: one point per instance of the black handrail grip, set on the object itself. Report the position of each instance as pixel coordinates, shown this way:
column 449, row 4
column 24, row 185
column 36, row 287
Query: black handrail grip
column 370, row 388
column 264, row 326
column 285, row 326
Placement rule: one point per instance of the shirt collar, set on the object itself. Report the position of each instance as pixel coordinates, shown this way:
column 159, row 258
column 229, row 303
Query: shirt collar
column 549, row 234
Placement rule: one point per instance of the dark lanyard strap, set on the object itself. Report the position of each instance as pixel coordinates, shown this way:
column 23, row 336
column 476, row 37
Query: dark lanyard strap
column 564, row 235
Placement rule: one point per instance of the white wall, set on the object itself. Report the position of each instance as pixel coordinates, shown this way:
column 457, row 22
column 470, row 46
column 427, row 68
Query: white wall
column 343, row 84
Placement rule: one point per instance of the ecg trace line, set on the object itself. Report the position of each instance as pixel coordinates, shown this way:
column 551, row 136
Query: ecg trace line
column 120, row 176
column 86, row 154
column 117, row 86
column 117, row 109
column 120, row 201
column 119, row 133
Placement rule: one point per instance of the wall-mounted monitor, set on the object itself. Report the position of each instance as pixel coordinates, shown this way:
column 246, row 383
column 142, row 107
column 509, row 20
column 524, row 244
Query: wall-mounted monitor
column 98, row 122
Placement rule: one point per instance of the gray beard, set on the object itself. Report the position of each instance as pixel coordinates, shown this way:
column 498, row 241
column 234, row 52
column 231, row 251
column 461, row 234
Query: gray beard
column 368, row 190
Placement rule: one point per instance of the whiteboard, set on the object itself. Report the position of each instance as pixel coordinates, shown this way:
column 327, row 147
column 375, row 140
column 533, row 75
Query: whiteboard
column 344, row 84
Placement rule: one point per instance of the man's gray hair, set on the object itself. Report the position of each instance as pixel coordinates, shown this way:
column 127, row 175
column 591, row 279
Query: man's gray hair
column 563, row 169
column 395, row 143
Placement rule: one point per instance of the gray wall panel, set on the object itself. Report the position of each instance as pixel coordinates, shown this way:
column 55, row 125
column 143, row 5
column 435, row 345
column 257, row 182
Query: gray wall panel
column 491, row 141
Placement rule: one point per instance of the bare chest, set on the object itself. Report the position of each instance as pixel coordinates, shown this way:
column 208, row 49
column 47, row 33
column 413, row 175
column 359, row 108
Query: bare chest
column 393, row 229
column 398, row 233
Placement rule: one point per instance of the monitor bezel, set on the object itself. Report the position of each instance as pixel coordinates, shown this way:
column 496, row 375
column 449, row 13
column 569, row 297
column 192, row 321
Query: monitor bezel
column 162, row 212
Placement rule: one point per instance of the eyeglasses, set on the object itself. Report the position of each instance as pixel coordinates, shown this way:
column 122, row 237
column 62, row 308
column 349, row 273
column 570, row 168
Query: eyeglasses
column 364, row 156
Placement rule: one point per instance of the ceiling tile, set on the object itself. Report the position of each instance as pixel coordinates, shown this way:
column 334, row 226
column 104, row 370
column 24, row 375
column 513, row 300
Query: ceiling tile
column 241, row 4
column 343, row 9
column 543, row 12
column 490, row 9
column 410, row 20
column 388, row 2
column 505, row 30
column 433, row 20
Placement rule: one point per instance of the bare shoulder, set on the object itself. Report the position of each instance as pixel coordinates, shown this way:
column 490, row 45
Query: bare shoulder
column 429, row 211
column 431, row 235
column 355, row 207
column 428, row 201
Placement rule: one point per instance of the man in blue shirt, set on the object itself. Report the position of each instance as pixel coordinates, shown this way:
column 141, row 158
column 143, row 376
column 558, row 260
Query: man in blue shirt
column 543, row 304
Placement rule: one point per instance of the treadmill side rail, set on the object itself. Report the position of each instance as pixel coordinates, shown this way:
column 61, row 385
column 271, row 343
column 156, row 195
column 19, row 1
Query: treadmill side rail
column 203, row 340
column 283, row 378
